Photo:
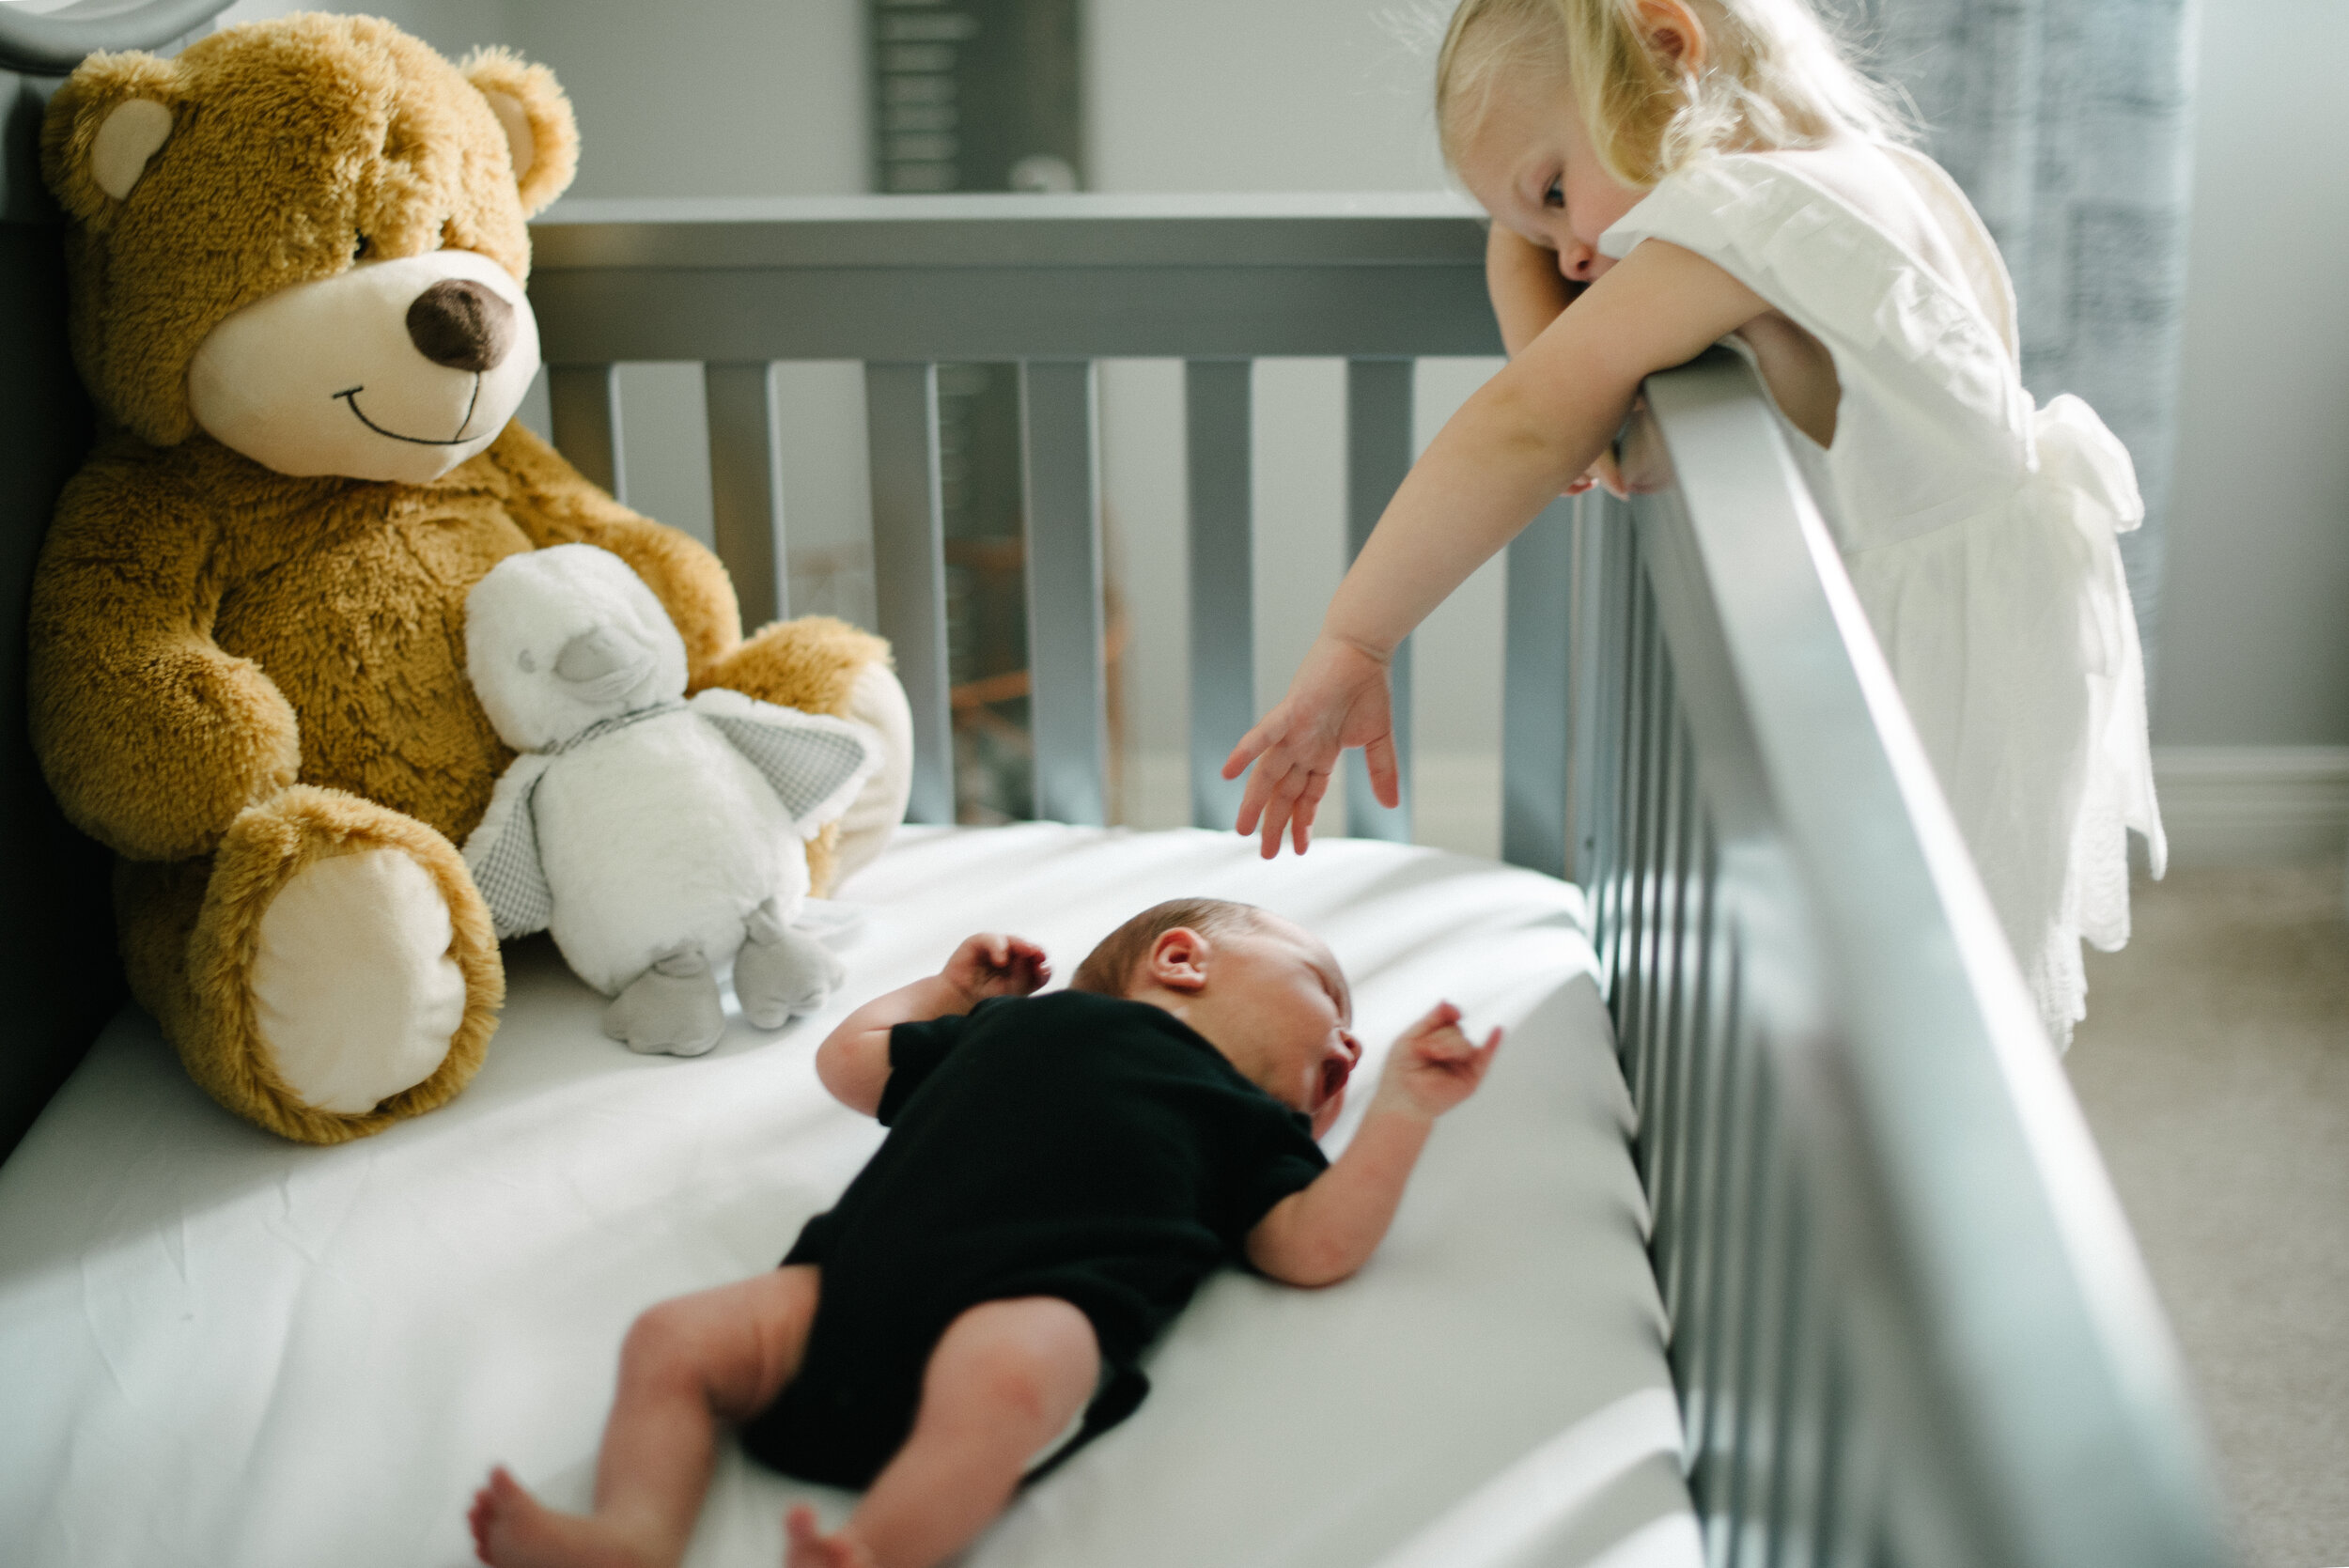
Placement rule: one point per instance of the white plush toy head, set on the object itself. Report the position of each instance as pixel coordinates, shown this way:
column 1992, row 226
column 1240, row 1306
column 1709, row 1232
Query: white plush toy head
column 559, row 639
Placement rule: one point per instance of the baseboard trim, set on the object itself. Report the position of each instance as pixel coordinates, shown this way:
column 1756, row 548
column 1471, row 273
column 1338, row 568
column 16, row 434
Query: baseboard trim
column 2250, row 805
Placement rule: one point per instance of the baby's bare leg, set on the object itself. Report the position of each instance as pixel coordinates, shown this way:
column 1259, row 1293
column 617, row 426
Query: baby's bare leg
column 719, row 1354
column 1004, row 1380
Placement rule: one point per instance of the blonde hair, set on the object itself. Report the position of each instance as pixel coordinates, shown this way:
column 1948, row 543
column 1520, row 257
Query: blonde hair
column 1770, row 76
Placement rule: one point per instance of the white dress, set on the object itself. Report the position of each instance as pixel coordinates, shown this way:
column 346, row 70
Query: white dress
column 1979, row 531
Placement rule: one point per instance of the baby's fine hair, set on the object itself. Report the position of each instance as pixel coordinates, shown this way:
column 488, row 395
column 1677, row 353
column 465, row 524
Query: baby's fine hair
column 1109, row 969
column 1771, row 76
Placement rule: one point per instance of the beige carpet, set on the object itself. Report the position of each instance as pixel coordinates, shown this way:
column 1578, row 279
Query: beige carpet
column 2214, row 1067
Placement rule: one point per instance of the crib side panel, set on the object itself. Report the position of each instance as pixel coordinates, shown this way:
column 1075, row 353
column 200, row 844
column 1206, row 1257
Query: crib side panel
column 1054, row 285
column 1907, row 1322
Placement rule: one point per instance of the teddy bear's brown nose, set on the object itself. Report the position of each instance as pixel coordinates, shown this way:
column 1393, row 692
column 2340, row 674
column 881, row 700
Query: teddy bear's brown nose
column 459, row 324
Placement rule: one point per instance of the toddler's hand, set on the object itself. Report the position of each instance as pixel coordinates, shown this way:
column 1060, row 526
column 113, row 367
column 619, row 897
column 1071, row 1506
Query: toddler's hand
column 1433, row 1065
column 1606, row 474
column 1338, row 699
column 994, row 965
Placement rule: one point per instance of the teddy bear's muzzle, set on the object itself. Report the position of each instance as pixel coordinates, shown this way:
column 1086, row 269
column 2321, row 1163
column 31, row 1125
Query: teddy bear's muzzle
column 459, row 324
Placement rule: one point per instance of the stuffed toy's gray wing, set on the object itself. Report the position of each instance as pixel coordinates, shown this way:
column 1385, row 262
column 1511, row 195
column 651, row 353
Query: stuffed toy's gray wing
column 815, row 762
column 503, row 852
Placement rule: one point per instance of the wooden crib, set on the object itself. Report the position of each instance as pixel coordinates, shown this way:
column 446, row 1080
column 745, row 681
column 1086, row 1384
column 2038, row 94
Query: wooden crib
column 1908, row 1325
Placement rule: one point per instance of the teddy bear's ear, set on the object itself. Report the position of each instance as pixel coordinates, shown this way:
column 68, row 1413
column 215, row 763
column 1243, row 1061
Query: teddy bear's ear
column 111, row 117
column 538, row 122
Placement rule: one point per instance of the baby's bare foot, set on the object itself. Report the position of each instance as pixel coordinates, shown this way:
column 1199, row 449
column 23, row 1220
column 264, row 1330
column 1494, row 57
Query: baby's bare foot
column 513, row 1529
column 805, row 1549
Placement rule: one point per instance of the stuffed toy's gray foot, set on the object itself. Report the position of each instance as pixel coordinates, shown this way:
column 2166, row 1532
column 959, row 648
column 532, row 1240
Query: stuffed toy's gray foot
column 780, row 973
column 671, row 1009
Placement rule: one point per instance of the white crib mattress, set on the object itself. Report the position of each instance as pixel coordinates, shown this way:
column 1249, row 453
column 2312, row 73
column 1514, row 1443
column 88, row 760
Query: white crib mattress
column 219, row 1348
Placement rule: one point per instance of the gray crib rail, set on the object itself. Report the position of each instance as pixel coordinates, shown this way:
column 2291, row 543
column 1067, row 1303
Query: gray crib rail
column 1909, row 1325
column 1908, row 1320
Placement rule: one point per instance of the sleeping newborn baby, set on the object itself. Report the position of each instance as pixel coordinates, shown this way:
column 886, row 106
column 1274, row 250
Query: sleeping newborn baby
column 1061, row 1172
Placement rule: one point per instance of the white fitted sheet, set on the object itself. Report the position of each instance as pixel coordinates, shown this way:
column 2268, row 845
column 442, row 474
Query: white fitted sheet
column 219, row 1348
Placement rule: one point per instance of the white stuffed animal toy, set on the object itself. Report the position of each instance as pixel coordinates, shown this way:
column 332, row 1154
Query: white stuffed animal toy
column 655, row 837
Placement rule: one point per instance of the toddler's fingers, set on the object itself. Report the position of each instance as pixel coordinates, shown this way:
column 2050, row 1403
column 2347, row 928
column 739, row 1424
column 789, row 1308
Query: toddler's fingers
column 1385, row 779
column 1252, row 745
column 1281, row 809
column 1262, row 780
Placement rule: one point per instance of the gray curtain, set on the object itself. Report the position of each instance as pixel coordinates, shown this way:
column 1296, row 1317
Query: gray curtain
column 2067, row 123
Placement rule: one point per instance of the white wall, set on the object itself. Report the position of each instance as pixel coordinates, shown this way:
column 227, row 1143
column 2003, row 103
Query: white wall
column 2255, row 638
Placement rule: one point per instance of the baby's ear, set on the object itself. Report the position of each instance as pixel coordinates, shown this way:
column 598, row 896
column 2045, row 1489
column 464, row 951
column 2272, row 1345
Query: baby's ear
column 540, row 129
column 103, row 127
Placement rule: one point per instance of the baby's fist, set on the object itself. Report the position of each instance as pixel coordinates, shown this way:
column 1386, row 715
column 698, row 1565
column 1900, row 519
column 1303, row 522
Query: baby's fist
column 1433, row 1065
column 994, row 965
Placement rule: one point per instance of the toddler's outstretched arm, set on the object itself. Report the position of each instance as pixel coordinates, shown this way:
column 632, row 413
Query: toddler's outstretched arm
column 853, row 1061
column 1324, row 1233
column 1526, row 435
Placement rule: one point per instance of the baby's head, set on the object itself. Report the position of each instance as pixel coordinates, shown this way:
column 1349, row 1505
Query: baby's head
column 1650, row 84
column 1265, row 992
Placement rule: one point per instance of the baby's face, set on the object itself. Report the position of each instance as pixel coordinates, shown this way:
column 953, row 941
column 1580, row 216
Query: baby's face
column 1287, row 1002
column 1530, row 164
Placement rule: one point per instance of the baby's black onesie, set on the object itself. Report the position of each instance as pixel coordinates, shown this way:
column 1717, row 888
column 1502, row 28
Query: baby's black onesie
column 1067, row 1144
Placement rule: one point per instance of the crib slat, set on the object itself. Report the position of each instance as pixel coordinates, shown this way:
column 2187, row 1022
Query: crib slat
column 1536, row 717
column 1623, row 723
column 746, row 487
column 1639, row 882
column 1059, row 406
column 1663, row 908
column 1619, row 547
column 1669, row 1194
column 1770, row 1253
column 1219, row 401
column 1696, row 1344
column 585, row 400
column 1587, row 668
column 909, row 567
column 1744, row 1164
column 1676, row 969
column 1378, row 456
column 1802, row 1423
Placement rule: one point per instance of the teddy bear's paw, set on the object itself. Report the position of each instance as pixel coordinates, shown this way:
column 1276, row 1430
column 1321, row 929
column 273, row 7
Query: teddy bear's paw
column 782, row 974
column 671, row 1009
column 355, row 987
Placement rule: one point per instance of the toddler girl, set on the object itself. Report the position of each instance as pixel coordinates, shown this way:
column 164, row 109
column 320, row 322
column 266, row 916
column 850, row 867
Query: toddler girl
column 1664, row 174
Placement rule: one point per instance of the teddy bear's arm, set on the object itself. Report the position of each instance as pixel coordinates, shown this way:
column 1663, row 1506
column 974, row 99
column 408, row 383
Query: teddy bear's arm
column 151, row 736
column 556, row 505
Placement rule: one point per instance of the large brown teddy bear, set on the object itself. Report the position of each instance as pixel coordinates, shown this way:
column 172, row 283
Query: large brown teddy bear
column 297, row 254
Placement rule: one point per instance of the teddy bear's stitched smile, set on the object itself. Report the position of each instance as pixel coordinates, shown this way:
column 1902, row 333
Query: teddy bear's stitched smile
column 350, row 395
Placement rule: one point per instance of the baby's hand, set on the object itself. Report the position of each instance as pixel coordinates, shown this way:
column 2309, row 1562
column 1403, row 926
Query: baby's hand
column 1433, row 1065
column 994, row 965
